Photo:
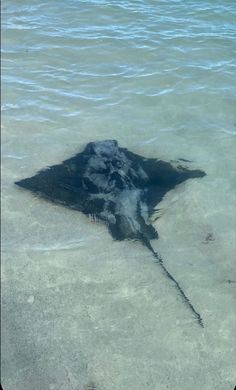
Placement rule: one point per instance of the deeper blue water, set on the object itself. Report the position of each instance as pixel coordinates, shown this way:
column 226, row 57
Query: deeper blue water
column 79, row 309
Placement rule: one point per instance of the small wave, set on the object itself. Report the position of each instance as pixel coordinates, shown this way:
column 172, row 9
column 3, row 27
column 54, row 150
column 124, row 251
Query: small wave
column 14, row 157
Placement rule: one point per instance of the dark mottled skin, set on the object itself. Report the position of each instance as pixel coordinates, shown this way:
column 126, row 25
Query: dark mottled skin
column 116, row 186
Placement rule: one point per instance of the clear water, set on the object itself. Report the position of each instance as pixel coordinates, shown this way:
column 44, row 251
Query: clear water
column 79, row 309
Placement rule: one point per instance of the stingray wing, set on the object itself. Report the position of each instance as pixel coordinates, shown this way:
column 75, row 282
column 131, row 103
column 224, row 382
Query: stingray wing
column 161, row 177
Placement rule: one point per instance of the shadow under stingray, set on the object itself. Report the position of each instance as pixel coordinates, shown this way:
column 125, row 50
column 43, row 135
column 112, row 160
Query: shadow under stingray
column 116, row 186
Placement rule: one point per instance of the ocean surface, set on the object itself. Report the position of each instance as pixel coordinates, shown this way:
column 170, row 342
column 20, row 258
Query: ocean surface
column 79, row 310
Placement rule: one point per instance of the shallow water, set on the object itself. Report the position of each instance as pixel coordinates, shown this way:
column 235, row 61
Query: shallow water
column 158, row 76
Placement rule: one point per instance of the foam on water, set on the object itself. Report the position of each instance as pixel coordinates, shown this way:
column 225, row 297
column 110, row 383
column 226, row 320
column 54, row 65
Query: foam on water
column 158, row 76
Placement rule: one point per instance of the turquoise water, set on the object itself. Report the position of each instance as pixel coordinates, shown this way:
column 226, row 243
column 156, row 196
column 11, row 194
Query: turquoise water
column 158, row 76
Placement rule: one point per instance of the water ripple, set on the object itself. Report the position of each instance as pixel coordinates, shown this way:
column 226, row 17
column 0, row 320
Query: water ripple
column 105, row 55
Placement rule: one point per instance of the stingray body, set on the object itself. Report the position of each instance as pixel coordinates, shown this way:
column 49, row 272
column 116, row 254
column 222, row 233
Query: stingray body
column 116, row 186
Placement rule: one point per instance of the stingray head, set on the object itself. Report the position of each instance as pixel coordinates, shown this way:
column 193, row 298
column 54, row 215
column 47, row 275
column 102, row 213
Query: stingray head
column 102, row 149
column 107, row 168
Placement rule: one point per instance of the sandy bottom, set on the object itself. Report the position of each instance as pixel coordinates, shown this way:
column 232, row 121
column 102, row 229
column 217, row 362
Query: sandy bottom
column 81, row 311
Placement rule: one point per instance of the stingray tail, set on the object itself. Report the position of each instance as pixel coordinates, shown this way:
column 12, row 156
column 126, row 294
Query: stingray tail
column 146, row 242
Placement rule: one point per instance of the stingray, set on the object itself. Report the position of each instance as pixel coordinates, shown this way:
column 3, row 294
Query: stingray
column 118, row 187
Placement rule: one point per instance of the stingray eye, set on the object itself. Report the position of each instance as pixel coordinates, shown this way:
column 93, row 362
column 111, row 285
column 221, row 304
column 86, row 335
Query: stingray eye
column 116, row 163
column 103, row 155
